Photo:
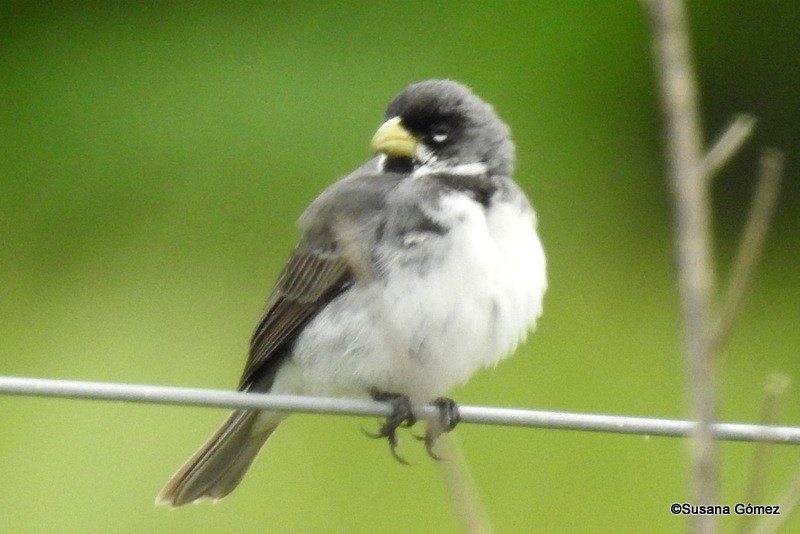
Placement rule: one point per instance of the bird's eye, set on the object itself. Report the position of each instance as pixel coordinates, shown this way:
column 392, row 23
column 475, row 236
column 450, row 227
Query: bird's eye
column 440, row 132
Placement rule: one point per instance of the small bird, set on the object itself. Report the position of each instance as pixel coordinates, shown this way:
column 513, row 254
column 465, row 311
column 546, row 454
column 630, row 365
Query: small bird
column 413, row 272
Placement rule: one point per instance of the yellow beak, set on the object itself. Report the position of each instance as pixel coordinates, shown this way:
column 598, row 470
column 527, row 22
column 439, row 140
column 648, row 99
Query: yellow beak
column 394, row 140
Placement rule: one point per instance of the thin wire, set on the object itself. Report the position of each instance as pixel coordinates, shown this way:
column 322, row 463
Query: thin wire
column 72, row 389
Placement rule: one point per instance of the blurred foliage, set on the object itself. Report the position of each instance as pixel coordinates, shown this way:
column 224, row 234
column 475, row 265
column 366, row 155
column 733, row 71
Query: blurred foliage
column 153, row 158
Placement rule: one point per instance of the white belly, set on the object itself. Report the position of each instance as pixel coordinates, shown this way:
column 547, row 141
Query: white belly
column 449, row 305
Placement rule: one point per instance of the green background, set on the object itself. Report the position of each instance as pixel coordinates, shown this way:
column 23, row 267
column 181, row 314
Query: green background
column 153, row 159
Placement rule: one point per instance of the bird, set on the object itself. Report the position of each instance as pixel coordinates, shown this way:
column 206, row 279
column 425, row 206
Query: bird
column 413, row 272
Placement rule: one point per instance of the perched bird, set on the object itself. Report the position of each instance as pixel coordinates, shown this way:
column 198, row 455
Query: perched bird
column 413, row 272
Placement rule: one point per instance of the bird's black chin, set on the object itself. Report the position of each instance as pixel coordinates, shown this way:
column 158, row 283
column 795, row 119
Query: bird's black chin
column 399, row 165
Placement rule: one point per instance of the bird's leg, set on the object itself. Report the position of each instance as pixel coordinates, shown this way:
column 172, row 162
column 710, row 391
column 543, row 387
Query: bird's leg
column 447, row 421
column 401, row 415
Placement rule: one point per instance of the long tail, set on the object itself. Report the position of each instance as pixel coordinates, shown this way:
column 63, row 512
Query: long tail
column 219, row 465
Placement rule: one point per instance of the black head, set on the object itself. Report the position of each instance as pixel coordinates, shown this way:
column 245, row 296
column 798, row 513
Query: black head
column 448, row 126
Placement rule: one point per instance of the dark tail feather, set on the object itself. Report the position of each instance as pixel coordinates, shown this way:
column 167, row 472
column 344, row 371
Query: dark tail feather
column 219, row 465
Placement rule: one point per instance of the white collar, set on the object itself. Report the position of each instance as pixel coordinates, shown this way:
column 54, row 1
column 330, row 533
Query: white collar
column 430, row 165
column 465, row 169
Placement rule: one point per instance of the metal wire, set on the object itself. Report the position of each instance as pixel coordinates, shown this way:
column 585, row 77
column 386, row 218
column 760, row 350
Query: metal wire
column 41, row 387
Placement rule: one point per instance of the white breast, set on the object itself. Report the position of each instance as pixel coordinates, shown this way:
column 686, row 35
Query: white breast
column 450, row 304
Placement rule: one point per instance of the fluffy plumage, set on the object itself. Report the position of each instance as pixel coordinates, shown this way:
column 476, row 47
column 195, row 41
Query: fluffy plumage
column 413, row 272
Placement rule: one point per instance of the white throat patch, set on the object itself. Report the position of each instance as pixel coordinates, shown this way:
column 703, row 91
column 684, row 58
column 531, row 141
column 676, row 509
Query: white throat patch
column 465, row 169
column 431, row 165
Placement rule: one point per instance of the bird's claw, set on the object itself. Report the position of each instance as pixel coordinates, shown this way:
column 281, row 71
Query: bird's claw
column 401, row 416
column 449, row 417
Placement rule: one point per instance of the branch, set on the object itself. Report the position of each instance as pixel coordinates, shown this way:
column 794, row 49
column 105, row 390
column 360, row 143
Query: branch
column 788, row 504
column 728, row 144
column 692, row 214
column 751, row 245
column 463, row 492
column 213, row 398
column 777, row 385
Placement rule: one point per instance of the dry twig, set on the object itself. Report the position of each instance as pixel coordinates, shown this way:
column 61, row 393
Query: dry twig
column 692, row 214
column 752, row 242
column 773, row 402
column 728, row 144
column 690, row 175
column 788, row 505
column 463, row 492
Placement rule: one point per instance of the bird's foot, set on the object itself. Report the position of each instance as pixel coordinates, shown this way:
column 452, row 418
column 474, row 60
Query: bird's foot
column 401, row 415
column 449, row 417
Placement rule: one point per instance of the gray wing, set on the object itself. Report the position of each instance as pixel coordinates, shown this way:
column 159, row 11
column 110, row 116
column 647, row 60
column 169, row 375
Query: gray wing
column 339, row 230
column 308, row 280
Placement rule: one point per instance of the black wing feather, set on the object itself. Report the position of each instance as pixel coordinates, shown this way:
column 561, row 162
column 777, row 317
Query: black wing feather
column 337, row 229
column 308, row 279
